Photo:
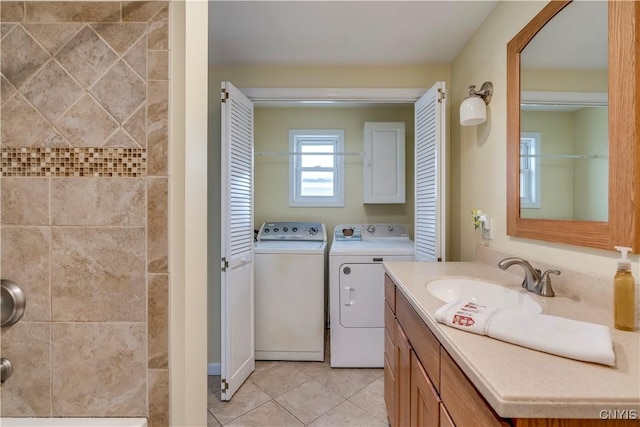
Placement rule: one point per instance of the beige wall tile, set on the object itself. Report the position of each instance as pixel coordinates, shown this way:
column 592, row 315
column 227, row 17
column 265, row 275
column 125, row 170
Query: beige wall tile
column 28, row 391
column 158, row 31
column 98, row 369
column 136, row 126
column 86, row 56
column 5, row 28
column 97, row 274
column 136, row 57
column 158, row 321
column 21, row 56
column 25, row 201
column 159, row 399
column 140, row 11
column 86, row 124
column 25, row 261
column 120, row 139
column 120, row 36
column 98, row 201
column 12, row 11
column 93, row 268
column 157, row 133
column 157, row 220
column 52, row 36
column 52, row 90
column 157, row 148
column 120, row 91
column 21, row 125
column 72, row 11
column 7, row 91
column 158, row 65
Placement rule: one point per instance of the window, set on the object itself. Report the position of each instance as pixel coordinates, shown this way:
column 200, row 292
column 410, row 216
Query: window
column 315, row 178
column 530, row 170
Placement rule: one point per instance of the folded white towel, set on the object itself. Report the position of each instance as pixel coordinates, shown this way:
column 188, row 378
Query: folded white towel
column 556, row 335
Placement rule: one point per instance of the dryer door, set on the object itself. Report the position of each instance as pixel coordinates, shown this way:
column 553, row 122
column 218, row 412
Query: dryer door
column 361, row 295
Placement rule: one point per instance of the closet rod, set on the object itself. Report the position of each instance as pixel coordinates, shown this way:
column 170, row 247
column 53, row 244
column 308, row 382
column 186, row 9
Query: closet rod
column 565, row 156
column 313, row 153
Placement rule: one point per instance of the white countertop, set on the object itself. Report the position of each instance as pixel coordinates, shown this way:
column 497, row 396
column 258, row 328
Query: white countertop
column 519, row 382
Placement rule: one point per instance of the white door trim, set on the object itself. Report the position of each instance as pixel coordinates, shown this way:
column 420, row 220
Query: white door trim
column 188, row 213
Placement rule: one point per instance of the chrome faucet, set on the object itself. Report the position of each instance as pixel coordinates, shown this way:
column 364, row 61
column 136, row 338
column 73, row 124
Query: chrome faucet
column 534, row 280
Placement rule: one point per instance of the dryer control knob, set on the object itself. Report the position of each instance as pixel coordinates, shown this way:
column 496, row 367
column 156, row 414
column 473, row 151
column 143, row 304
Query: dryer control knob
column 390, row 228
column 313, row 231
column 371, row 228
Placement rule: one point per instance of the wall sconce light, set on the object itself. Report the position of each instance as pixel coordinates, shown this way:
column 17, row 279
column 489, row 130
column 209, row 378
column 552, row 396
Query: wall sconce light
column 473, row 110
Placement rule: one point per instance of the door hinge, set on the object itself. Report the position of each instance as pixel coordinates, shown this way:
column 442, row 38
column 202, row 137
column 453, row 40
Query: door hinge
column 224, row 385
column 225, row 264
column 440, row 95
column 224, row 95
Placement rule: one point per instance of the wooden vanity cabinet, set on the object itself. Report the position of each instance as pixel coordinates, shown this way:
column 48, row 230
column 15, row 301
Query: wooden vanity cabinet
column 413, row 380
column 424, row 386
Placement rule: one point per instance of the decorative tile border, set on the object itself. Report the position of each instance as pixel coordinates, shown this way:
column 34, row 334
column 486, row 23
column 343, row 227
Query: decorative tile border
column 69, row 161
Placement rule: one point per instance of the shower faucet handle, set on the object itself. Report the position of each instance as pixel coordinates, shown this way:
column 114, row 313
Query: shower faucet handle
column 6, row 369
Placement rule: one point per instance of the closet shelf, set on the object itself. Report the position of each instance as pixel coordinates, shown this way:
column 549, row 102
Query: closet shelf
column 313, row 153
column 565, row 156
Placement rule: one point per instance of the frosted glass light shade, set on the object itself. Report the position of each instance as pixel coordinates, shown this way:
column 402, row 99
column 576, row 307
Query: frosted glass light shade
column 473, row 111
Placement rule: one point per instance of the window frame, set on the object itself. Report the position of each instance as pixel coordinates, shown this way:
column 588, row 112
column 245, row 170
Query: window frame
column 531, row 181
column 300, row 137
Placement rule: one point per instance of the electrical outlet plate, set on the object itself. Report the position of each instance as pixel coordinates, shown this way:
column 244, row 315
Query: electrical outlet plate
column 487, row 229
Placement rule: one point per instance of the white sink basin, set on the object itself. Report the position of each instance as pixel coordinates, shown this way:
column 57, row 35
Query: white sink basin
column 481, row 292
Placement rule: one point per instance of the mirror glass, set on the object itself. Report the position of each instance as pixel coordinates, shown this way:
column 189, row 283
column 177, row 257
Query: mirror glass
column 564, row 117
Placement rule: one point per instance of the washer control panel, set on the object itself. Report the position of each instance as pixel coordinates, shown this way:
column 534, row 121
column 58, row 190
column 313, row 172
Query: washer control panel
column 371, row 232
column 292, row 230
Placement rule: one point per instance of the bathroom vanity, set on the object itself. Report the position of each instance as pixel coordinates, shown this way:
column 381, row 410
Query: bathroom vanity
column 435, row 375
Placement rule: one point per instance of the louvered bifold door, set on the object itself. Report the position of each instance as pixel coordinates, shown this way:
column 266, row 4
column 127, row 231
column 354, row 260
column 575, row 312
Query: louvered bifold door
column 237, row 298
column 430, row 175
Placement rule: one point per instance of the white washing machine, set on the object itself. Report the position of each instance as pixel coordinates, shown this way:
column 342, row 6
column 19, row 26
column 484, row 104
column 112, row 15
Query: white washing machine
column 289, row 291
column 356, row 290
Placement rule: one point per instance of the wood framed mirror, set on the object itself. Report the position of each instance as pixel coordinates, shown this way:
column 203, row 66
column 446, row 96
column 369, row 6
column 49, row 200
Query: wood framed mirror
column 623, row 225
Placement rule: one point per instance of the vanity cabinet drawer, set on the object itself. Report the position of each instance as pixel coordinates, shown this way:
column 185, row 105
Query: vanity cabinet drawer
column 389, row 321
column 390, row 292
column 463, row 402
column 424, row 343
column 389, row 348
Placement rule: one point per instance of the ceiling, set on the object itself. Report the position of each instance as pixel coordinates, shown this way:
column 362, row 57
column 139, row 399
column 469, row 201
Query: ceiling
column 342, row 32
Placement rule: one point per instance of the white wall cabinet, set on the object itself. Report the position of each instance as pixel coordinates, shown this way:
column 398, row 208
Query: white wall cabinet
column 384, row 162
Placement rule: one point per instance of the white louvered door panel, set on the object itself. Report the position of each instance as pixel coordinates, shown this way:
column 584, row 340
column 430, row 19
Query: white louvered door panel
column 430, row 175
column 237, row 287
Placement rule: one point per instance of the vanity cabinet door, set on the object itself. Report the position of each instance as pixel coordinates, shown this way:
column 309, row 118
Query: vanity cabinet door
column 389, row 393
column 425, row 403
column 464, row 403
column 445, row 418
column 424, row 343
column 403, row 377
column 390, row 364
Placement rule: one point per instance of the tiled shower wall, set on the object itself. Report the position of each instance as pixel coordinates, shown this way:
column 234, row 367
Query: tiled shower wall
column 84, row 202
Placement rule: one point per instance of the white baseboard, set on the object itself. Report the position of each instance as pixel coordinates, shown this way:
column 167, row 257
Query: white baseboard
column 213, row 369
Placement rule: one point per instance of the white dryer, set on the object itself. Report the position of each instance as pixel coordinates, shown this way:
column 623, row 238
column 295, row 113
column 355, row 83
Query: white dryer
column 356, row 290
column 289, row 291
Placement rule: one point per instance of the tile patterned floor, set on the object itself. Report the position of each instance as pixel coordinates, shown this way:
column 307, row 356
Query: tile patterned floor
column 302, row 394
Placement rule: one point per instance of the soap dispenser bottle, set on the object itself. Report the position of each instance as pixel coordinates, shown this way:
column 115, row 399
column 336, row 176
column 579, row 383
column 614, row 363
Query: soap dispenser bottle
column 624, row 293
